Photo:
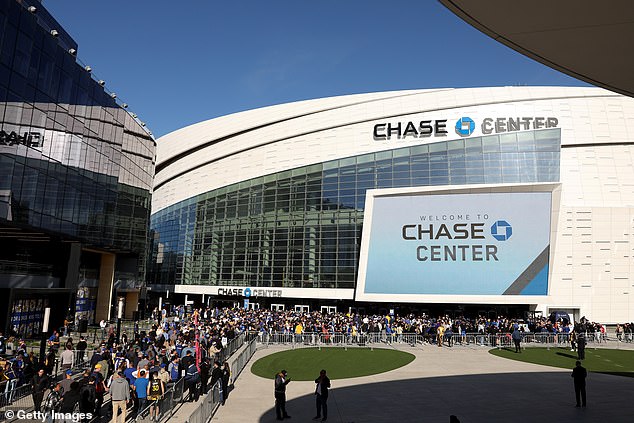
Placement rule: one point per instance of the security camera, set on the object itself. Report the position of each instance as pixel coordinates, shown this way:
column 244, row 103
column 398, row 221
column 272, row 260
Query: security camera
column 32, row 9
column 72, row 51
column 54, row 32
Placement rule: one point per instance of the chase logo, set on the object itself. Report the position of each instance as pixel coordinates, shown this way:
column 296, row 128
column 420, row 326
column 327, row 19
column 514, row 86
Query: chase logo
column 501, row 230
column 247, row 292
column 465, row 126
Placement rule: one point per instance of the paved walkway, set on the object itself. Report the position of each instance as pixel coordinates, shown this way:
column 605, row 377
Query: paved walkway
column 470, row 383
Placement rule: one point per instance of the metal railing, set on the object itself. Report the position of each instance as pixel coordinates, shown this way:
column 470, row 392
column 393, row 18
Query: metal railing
column 232, row 346
column 16, row 397
column 375, row 339
column 210, row 402
column 14, row 394
column 207, row 406
column 240, row 362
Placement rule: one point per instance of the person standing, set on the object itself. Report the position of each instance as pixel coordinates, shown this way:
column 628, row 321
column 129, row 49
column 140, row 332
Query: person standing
column 579, row 374
column 280, row 395
column 321, row 396
column 440, row 333
column 39, row 384
column 517, row 339
column 192, row 377
column 581, row 347
column 120, row 396
column 67, row 358
column 226, row 375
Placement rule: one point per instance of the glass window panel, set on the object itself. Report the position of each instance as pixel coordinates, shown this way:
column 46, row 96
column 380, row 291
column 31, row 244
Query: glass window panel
column 490, row 144
column 384, row 155
column 419, row 150
column 438, row 147
column 508, row 142
column 473, row 146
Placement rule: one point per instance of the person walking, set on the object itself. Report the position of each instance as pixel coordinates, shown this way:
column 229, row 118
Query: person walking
column 280, row 395
column 120, row 396
column 321, row 396
column 39, row 384
column 67, row 358
column 88, row 396
column 156, row 389
column 140, row 387
column 579, row 374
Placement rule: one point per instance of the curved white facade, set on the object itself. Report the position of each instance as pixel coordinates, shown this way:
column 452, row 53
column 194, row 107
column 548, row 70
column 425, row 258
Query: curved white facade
column 593, row 228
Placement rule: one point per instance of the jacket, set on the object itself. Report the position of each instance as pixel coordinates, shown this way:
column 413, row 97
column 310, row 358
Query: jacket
column 325, row 384
column 120, row 389
column 280, row 384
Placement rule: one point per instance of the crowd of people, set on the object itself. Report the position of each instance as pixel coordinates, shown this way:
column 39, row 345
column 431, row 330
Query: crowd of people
column 140, row 367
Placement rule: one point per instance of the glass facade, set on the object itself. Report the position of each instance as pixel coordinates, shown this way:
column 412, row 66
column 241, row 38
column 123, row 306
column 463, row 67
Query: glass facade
column 75, row 167
column 302, row 227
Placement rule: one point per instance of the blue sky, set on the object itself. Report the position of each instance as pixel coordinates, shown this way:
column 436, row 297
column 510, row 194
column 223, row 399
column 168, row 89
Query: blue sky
column 178, row 63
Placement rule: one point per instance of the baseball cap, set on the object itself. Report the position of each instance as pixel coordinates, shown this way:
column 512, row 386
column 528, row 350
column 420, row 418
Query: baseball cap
column 97, row 366
column 69, row 372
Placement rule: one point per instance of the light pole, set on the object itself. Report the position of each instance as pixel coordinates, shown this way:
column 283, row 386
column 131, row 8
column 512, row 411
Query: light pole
column 119, row 317
column 47, row 316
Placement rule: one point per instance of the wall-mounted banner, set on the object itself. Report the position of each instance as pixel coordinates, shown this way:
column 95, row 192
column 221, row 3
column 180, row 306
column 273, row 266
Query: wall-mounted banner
column 458, row 244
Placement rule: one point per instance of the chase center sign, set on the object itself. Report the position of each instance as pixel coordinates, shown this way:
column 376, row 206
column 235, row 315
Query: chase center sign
column 464, row 127
column 463, row 243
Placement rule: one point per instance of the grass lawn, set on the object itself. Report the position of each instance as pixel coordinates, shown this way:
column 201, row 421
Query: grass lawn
column 614, row 362
column 305, row 363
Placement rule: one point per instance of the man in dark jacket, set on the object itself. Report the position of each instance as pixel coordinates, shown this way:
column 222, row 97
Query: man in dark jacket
column 88, row 396
column 280, row 395
column 39, row 384
column 70, row 398
column 579, row 375
column 204, row 375
column 216, row 373
column 321, row 395
column 192, row 377
column 81, row 349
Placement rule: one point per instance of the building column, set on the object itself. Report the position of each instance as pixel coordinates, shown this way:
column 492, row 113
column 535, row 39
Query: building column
column 104, row 291
column 131, row 304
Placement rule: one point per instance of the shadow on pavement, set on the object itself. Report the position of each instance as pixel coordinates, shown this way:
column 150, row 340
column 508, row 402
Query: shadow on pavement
column 508, row 397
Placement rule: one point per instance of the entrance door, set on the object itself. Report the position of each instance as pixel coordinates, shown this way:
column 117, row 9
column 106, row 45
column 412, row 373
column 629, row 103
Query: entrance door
column 302, row 308
column 277, row 307
column 328, row 309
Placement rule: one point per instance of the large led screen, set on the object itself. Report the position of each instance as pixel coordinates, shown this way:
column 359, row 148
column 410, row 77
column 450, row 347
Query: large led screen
column 458, row 244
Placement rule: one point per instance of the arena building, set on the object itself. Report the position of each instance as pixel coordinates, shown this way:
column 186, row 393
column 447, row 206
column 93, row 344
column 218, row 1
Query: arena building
column 507, row 199
column 76, row 172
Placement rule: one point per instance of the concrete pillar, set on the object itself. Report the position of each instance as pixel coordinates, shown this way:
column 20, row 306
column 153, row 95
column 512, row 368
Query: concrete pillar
column 104, row 290
column 131, row 304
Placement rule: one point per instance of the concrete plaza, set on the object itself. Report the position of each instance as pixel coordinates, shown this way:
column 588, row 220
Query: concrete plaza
column 468, row 382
